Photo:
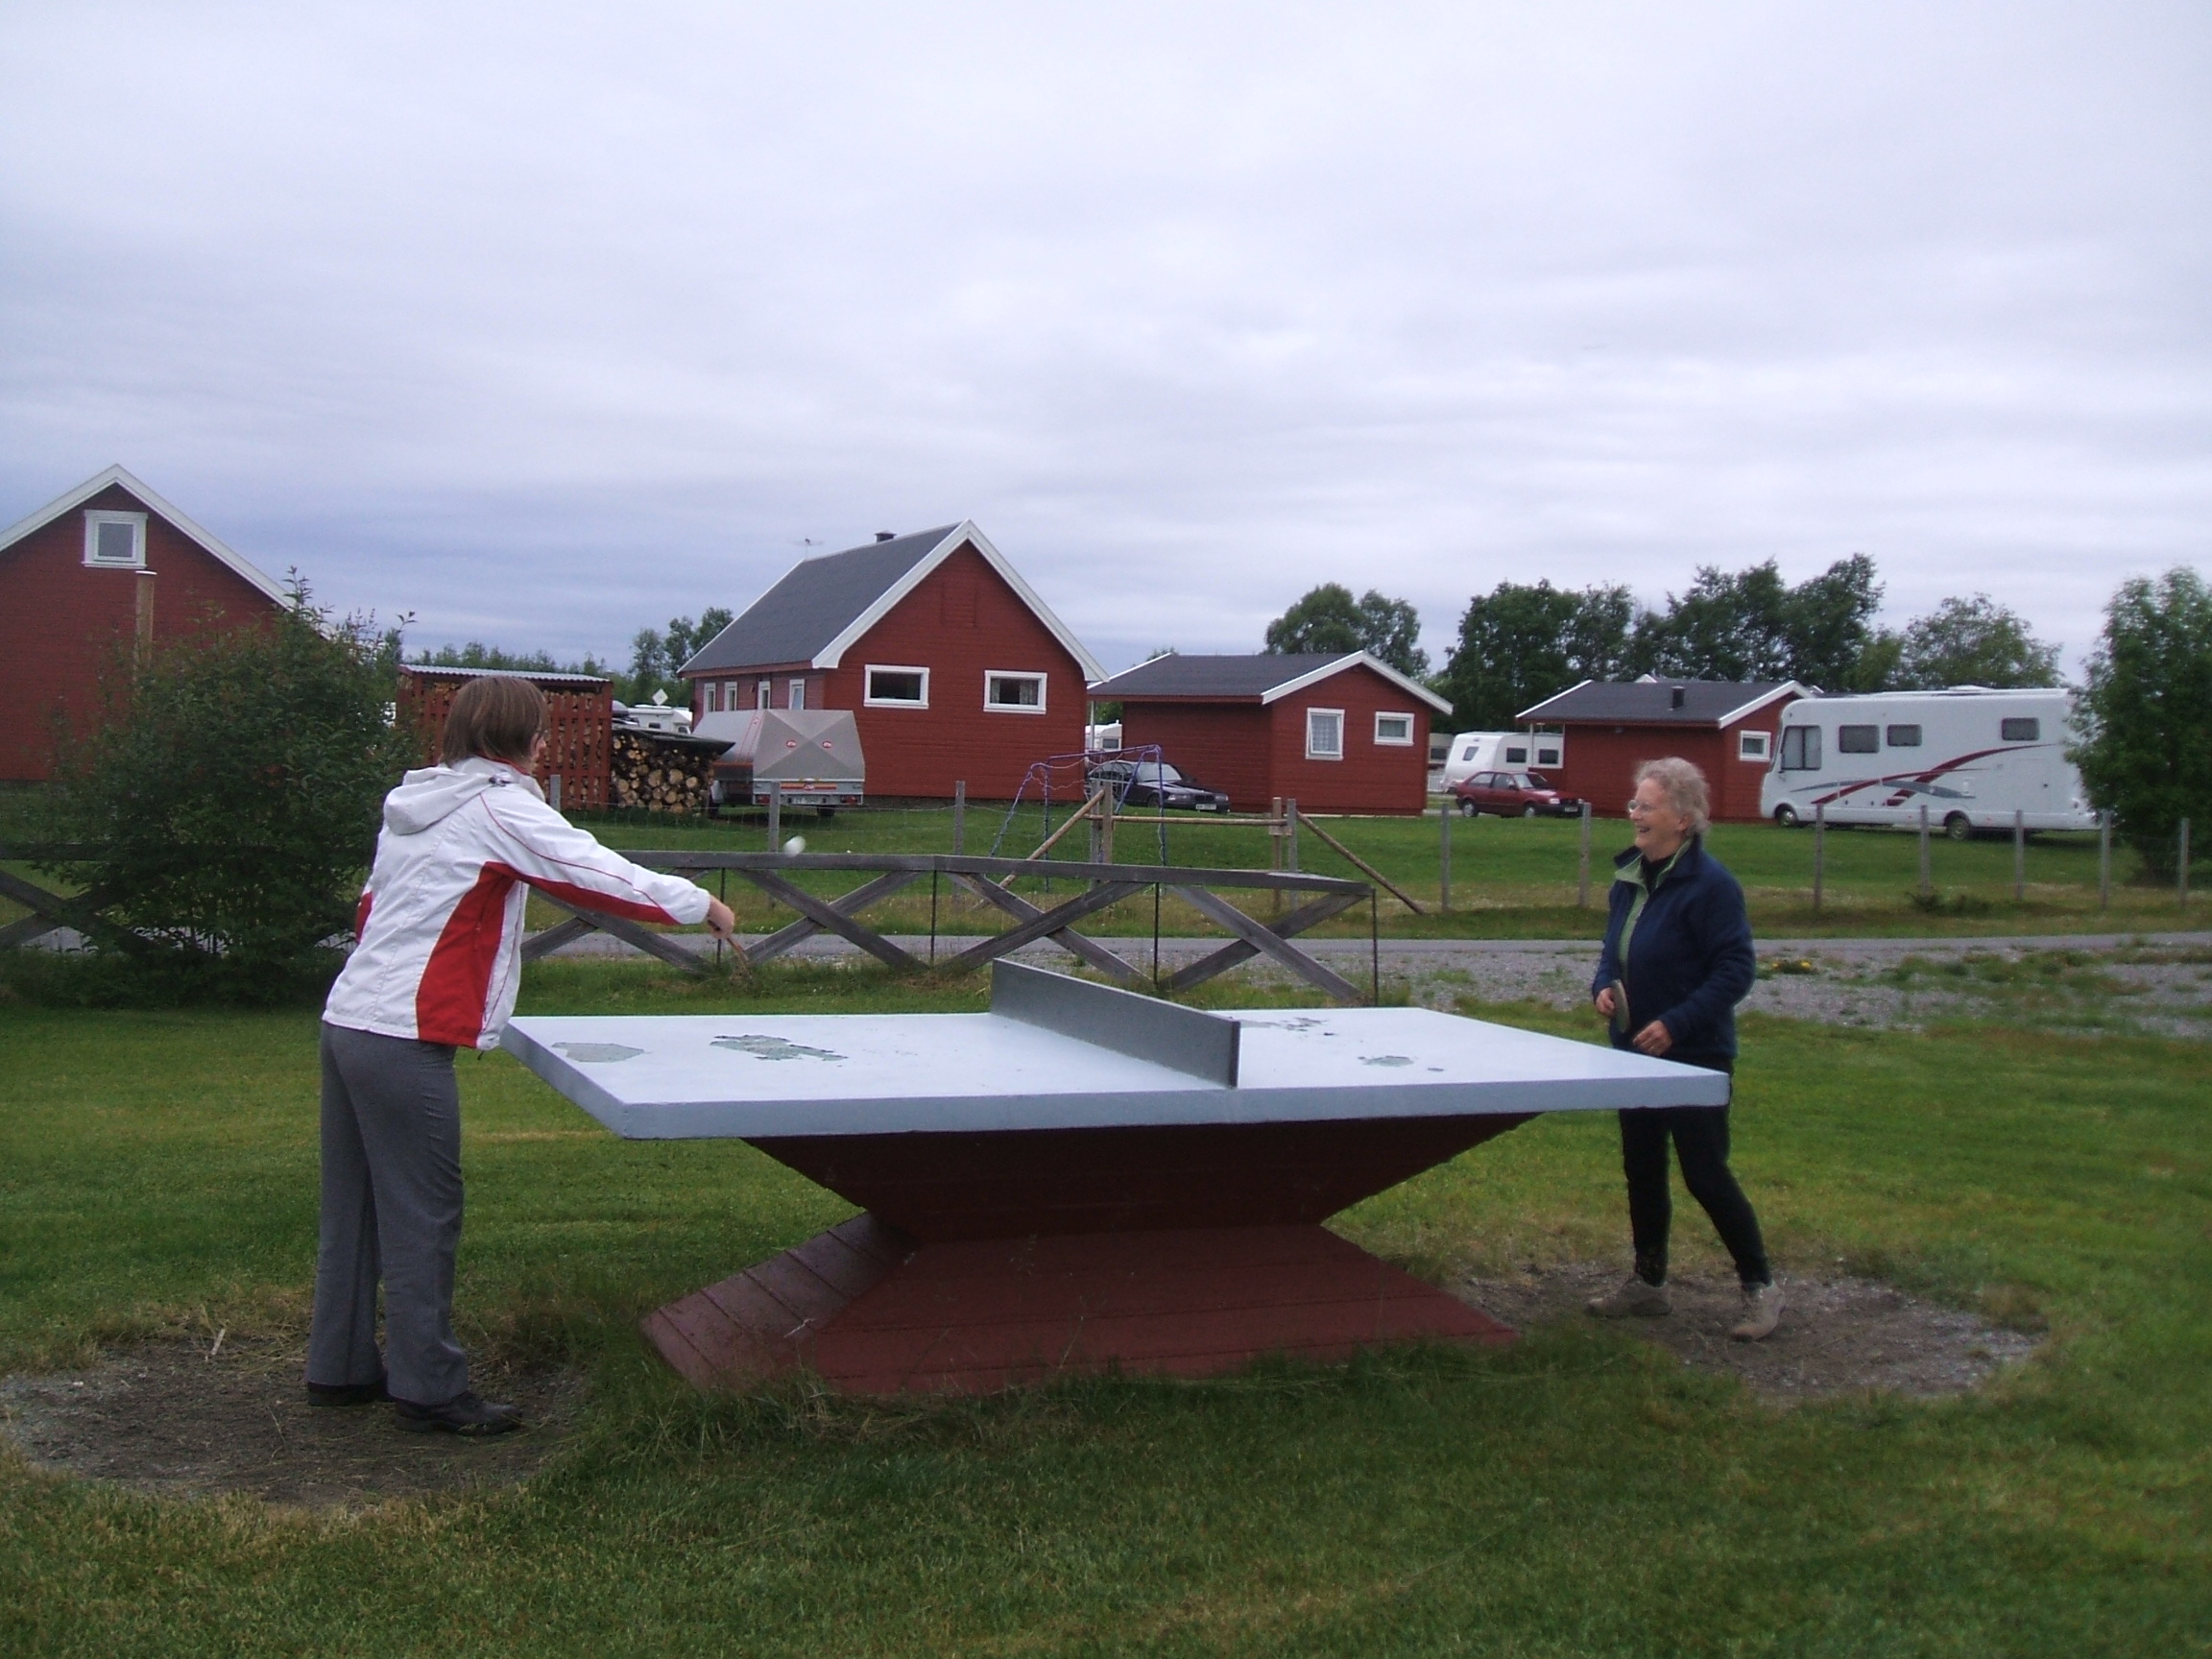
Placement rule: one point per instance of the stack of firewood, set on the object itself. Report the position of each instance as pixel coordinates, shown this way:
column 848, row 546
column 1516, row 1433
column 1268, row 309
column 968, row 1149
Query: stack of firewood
column 659, row 777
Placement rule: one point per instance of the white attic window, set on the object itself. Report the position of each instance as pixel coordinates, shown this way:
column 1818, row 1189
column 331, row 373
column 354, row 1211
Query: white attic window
column 115, row 540
column 1324, row 733
column 1013, row 691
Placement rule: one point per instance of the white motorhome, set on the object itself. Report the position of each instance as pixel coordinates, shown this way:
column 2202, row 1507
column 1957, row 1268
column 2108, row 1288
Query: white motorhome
column 1973, row 756
column 1474, row 752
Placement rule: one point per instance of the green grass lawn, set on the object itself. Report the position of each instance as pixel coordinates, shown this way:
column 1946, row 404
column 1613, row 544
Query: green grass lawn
column 1578, row 1493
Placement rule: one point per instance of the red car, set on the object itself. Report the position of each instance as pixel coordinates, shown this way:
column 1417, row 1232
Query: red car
column 1514, row 794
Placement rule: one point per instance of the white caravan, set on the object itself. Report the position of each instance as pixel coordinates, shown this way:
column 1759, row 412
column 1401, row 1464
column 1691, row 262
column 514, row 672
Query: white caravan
column 1474, row 752
column 1971, row 756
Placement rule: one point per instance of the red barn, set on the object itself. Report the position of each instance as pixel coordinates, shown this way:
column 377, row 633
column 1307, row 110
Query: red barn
column 79, row 579
column 1336, row 734
column 1726, row 728
column 952, row 666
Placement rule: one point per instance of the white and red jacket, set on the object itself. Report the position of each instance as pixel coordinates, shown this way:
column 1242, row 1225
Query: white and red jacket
column 440, row 922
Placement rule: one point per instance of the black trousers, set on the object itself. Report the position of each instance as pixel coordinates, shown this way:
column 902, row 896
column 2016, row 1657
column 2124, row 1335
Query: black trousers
column 1700, row 1137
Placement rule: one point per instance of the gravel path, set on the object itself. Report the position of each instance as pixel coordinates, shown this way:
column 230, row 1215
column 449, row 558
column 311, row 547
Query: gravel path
column 2159, row 984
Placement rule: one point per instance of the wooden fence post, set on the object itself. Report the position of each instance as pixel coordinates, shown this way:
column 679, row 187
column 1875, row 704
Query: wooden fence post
column 1819, row 854
column 959, row 816
column 2019, row 854
column 1444, row 854
column 1290, row 832
column 1582, row 878
column 2181, row 869
column 775, row 816
column 2105, row 860
column 1927, row 871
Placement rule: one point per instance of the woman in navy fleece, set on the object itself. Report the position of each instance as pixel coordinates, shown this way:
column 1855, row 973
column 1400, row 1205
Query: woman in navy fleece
column 1676, row 960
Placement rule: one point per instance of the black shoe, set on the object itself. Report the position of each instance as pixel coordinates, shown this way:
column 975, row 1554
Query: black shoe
column 346, row 1393
column 469, row 1414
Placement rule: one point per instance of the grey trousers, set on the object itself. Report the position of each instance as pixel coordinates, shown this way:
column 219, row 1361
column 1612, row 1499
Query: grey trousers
column 391, row 1210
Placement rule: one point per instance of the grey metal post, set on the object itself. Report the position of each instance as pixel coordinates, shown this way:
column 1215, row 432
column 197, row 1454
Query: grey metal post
column 553, row 791
column 2182, row 874
column 1444, row 854
column 1819, row 854
column 1582, row 881
column 1290, row 832
column 2019, row 853
column 959, row 815
column 2105, row 860
column 1927, row 872
column 1098, row 837
column 775, row 816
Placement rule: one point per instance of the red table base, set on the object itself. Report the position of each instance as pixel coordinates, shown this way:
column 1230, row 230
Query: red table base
column 871, row 1310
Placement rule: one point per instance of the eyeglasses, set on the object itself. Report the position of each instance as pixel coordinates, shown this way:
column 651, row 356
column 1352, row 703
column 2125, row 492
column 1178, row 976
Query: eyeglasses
column 1643, row 810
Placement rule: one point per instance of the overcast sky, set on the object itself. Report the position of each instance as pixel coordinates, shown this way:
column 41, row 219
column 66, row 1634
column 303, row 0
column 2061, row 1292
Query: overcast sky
column 548, row 321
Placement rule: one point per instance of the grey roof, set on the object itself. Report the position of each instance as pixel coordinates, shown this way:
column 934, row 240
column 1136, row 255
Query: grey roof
column 1652, row 702
column 815, row 601
column 536, row 676
column 1251, row 676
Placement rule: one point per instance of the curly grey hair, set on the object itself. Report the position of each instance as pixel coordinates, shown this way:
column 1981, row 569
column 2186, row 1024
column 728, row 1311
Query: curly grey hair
column 1685, row 788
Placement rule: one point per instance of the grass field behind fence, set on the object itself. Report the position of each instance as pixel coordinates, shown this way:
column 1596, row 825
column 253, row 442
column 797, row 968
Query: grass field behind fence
column 1578, row 1493
column 1511, row 878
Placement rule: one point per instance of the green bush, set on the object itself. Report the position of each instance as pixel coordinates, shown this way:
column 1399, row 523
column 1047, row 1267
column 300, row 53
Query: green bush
column 228, row 802
column 2145, row 712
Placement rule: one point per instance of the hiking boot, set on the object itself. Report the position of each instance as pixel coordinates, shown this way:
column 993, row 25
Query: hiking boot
column 1634, row 1300
column 466, row 1413
column 346, row 1393
column 1761, row 1312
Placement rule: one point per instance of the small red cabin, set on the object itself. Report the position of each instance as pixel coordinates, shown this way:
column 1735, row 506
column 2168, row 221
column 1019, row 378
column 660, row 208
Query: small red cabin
column 1725, row 727
column 579, row 716
column 80, row 579
column 953, row 669
column 1336, row 734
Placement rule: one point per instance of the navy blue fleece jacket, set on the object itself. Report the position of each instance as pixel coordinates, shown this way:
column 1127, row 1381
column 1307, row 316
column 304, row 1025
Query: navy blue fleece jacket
column 1690, row 960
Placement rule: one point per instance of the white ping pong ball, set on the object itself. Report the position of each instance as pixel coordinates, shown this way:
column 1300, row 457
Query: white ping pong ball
column 796, row 844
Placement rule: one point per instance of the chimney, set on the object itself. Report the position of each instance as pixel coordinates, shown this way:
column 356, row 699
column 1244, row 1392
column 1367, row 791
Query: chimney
column 1676, row 701
column 885, row 535
column 145, row 613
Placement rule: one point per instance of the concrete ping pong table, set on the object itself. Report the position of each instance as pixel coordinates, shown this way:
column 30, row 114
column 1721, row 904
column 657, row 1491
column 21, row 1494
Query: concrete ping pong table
column 1081, row 1178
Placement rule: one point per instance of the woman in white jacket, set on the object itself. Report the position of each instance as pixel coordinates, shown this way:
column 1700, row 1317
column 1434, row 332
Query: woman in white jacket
column 437, row 967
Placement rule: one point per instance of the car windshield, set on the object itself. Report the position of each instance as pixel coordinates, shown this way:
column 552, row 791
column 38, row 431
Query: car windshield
column 1157, row 772
column 1534, row 781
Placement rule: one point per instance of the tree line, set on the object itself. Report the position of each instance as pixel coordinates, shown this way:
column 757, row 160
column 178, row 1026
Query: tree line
column 1523, row 642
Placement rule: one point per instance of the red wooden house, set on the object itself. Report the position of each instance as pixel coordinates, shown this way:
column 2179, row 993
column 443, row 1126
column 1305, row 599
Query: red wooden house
column 954, row 669
column 80, row 579
column 1336, row 734
column 1726, row 728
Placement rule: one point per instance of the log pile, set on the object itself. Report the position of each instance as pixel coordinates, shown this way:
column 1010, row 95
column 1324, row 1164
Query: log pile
column 649, row 773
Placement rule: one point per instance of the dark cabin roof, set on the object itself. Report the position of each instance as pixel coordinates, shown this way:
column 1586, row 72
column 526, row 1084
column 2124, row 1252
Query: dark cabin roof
column 1713, row 703
column 1261, row 678
column 1228, row 677
column 817, row 600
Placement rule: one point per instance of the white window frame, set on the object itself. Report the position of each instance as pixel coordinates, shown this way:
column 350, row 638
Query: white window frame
column 1758, row 745
column 1313, row 754
column 97, row 516
column 1036, row 674
column 763, row 693
column 729, row 695
column 869, row 699
column 795, row 694
column 1382, row 742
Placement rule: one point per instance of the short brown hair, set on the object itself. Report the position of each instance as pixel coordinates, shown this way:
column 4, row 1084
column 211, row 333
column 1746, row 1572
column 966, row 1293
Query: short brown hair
column 497, row 717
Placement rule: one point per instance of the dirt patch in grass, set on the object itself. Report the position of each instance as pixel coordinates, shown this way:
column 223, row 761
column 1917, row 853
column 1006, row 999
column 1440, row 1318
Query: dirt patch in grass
column 166, row 1418
column 1837, row 1335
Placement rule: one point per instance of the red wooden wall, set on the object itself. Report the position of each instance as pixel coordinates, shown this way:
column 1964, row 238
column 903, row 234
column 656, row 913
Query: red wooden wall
column 1601, row 762
column 581, row 721
column 1255, row 753
column 64, row 625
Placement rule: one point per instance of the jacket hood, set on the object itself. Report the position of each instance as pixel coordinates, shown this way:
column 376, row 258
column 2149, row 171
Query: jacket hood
column 432, row 794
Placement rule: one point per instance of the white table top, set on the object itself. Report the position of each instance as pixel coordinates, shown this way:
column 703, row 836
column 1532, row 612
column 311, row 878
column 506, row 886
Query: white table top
column 764, row 1075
